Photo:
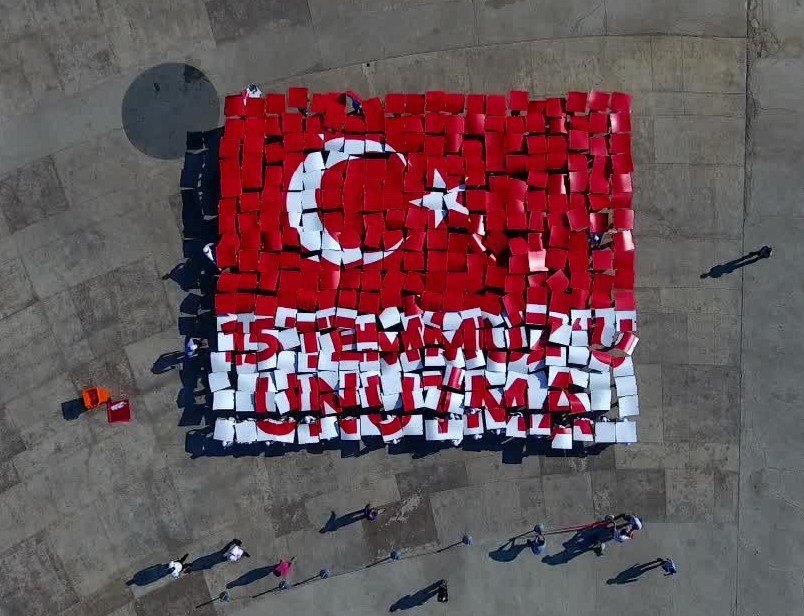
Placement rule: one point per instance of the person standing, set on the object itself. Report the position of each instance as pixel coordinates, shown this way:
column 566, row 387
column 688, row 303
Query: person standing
column 209, row 252
column 190, row 347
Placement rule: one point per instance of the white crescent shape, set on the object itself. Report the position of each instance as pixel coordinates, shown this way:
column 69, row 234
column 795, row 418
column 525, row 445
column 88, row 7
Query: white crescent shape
column 336, row 147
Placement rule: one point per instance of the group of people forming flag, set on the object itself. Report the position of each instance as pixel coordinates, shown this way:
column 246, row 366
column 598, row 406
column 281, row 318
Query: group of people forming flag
column 437, row 264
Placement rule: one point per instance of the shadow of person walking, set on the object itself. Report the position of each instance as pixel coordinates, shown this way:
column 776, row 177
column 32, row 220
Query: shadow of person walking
column 167, row 361
column 508, row 551
column 633, row 573
column 149, row 575
column 252, row 576
column 585, row 540
column 747, row 259
column 420, row 597
column 202, row 563
column 335, row 522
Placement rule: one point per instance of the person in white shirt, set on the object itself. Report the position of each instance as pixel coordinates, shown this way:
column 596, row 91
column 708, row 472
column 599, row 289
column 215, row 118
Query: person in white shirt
column 177, row 566
column 234, row 551
column 252, row 91
column 624, row 532
column 190, row 347
column 208, row 251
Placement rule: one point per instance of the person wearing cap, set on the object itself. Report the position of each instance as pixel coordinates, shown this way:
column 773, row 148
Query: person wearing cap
column 209, row 252
column 624, row 532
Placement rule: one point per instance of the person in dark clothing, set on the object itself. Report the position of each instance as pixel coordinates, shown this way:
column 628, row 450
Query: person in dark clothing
column 443, row 593
column 370, row 513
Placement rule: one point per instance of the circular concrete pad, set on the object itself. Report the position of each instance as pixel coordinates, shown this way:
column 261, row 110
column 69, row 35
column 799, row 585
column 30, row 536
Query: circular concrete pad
column 166, row 102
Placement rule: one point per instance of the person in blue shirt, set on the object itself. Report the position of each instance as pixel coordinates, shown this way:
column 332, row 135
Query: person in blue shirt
column 190, row 347
column 668, row 566
column 538, row 543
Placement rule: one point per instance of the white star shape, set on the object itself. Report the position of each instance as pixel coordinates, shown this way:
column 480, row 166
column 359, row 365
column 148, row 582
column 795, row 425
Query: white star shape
column 441, row 200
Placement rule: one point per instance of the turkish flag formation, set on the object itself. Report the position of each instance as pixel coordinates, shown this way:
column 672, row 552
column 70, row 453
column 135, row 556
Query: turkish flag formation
column 439, row 264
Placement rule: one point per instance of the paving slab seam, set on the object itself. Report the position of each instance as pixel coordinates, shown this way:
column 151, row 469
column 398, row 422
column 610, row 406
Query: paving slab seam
column 746, row 198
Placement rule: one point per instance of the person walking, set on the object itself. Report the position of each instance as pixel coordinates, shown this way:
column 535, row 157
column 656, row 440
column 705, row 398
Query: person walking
column 538, row 543
column 668, row 566
column 284, row 567
column 234, row 551
column 370, row 513
column 442, row 596
column 178, row 566
column 625, row 531
column 763, row 253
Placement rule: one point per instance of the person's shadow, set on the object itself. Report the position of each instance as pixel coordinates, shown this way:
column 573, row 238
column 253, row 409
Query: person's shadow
column 202, row 563
column 149, row 575
column 633, row 573
column 252, row 576
column 167, row 362
column 508, row 551
column 727, row 268
column 581, row 542
column 334, row 522
column 420, row 597
column 185, row 274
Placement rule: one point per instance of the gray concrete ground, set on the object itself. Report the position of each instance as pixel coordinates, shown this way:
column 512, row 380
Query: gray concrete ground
column 88, row 224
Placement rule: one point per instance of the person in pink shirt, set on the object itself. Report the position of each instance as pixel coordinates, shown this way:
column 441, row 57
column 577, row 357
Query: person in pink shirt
column 284, row 567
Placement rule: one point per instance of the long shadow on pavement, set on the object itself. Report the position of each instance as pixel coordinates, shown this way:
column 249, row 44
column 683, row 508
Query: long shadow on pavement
column 252, row 576
column 581, row 542
column 508, row 551
column 634, row 572
column 149, row 575
column 420, row 597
